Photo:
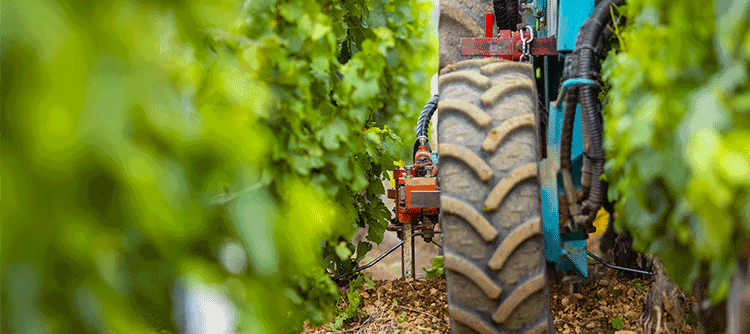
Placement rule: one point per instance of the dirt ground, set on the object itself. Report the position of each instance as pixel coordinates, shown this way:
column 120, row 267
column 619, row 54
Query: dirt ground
column 606, row 304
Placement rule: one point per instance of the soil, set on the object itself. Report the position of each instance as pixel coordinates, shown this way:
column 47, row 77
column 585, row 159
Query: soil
column 420, row 306
column 606, row 304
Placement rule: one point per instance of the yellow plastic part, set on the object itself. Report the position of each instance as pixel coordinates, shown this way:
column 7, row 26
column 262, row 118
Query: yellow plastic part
column 601, row 222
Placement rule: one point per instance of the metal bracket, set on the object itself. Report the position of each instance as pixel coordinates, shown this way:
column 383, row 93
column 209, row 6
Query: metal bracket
column 509, row 44
column 574, row 254
column 567, row 252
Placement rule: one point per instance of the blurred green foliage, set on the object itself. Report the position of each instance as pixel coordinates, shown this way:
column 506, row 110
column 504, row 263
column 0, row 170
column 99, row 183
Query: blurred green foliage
column 438, row 268
column 677, row 133
column 349, row 304
column 149, row 146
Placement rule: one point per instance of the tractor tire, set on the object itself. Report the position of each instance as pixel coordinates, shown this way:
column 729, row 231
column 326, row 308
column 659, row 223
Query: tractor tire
column 738, row 307
column 460, row 19
column 490, row 206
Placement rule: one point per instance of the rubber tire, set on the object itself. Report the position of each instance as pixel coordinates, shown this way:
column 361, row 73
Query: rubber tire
column 490, row 210
column 738, row 306
column 460, row 19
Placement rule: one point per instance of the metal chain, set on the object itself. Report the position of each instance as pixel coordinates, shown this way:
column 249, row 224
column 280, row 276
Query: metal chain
column 526, row 56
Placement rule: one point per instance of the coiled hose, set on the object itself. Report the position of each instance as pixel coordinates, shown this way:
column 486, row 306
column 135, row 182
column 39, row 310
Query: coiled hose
column 584, row 63
column 423, row 123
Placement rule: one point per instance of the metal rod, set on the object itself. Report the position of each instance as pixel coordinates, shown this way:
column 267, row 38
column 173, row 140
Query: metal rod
column 436, row 244
column 617, row 267
column 407, row 251
column 373, row 262
column 421, row 233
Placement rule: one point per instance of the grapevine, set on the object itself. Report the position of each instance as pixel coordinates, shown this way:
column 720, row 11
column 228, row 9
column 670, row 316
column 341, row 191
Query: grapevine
column 677, row 134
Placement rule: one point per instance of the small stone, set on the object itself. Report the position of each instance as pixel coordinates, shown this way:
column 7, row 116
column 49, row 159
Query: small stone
column 626, row 332
column 603, row 282
column 565, row 301
column 631, row 315
column 602, row 302
column 591, row 325
column 626, row 307
column 364, row 294
column 433, row 291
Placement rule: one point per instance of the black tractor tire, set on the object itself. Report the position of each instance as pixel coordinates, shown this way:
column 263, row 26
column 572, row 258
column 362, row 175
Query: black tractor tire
column 490, row 206
column 506, row 14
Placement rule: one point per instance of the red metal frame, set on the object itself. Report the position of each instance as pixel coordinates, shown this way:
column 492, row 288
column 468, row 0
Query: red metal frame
column 507, row 45
column 488, row 18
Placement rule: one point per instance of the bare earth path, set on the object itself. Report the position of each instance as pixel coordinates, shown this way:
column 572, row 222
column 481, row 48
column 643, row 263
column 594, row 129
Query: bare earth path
column 606, row 304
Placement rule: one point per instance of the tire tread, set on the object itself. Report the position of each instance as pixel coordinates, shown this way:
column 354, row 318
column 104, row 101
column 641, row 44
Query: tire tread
column 495, row 117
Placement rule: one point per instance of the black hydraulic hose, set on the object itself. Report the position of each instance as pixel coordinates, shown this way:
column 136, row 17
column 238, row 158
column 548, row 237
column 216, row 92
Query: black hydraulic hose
column 424, row 117
column 566, row 149
column 588, row 99
column 423, row 123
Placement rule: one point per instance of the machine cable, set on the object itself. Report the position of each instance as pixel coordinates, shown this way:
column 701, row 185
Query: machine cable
column 612, row 266
column 372, row 263
column 583, row 63
column 382, row 256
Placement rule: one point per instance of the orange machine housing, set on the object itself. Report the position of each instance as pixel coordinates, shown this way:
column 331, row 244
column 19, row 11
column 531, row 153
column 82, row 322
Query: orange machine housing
column 415, row 196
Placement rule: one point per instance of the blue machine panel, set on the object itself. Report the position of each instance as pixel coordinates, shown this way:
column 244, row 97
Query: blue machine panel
column 568, row 252
column 571, row 15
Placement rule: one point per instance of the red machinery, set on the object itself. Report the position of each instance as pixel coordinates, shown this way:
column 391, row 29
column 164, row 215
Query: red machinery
column 417, row 198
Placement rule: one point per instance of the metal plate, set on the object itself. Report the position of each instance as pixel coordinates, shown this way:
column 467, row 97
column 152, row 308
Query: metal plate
column 504, row 47
column 425, row 199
